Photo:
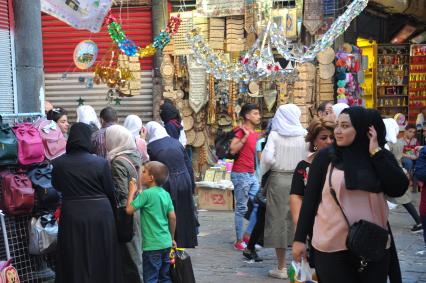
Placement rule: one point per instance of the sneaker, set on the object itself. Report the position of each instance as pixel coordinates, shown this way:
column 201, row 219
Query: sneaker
column 252, row 255
column 240, row 246
column 277, row 273
column 258, row 247
column 417, row 228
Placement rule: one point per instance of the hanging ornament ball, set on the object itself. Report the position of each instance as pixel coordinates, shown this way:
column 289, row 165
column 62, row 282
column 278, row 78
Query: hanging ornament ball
column 85, row 54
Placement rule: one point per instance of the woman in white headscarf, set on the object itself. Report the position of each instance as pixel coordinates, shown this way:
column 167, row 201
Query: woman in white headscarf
column 87, row 115
column 284, row 148
column 338, row 108
column 396, row 147
column 125, row 163
column 134, row 124
column 180, row 185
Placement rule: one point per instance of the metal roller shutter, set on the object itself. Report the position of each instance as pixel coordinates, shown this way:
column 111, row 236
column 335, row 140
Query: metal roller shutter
column 7, row 95
column 59, row 41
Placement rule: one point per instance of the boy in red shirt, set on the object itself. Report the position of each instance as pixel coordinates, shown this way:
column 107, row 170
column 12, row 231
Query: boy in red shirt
column 243, row 172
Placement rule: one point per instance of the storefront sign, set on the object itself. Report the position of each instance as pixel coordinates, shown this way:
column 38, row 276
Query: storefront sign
column 220, row 8
column 80, row 14
column 197, row 85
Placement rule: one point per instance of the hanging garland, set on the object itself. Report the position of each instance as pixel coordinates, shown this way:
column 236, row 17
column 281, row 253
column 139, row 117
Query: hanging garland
column 301, row 55
column 259, row 63
column 128, row 46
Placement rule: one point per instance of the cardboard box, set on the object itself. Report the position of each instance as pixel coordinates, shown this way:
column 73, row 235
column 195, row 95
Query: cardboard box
column 214, row 199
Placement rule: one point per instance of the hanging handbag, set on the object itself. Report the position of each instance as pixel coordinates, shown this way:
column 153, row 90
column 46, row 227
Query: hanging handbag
column 43, row 234
column 17, row 194
column 365, row 240
column 8, row 146
column 124, row 221
column 47, row 197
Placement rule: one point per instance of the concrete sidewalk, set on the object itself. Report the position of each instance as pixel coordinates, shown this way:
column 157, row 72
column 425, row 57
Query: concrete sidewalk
column 215, row 260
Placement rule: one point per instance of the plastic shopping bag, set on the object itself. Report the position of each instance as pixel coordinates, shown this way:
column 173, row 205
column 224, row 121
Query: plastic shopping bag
column 181, row 266
column 301, row 272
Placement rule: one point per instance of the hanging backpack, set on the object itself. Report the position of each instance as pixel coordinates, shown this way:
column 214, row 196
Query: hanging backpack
column 8, row 146
column 53, row 140
column 30, row 145
column 223, row 142
column 8, row 273
column 18, row 194
column 47, row 198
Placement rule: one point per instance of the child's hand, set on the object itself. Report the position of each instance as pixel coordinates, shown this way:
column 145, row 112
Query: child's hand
column 174, row 245
column 133, row 186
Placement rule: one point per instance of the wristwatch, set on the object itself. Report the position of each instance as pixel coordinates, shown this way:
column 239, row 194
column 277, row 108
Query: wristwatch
column 375, row 151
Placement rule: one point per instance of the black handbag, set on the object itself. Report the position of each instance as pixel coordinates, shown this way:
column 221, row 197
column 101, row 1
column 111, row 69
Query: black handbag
column 365, row 240
column 181, row 271
column 47, row 197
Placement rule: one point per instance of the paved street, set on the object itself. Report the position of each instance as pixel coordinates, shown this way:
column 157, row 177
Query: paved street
column 216, row 261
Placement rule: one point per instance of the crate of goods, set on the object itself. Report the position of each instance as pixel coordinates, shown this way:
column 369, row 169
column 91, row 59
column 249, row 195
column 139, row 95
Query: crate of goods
column 214, row 199
column 180, row 44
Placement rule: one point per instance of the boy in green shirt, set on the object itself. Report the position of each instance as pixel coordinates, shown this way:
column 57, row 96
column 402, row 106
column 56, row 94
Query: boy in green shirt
column 158, row 221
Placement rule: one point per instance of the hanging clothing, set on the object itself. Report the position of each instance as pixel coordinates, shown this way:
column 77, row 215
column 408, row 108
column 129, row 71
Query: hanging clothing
column 125, row 163
column 180, row 184
column 87, row 242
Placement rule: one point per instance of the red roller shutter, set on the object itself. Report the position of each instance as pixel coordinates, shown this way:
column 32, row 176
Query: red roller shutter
column 60, row 39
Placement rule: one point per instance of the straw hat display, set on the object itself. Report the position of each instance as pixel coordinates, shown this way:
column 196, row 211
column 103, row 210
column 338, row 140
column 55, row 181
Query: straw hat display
column 326, row 56
column 200, row 138
column 190, row 137
column 188, row 123
column 326, row 71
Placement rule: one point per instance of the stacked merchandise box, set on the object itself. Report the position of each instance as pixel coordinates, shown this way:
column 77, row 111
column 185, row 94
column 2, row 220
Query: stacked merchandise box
column 235, row 41
column 303, row 91
column 216, row 33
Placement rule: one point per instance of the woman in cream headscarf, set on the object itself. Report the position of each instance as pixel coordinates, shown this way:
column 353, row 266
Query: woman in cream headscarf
column 134, row 124
column 87, row 115
column 396, row 147
column 284, row 149
column 125, row 163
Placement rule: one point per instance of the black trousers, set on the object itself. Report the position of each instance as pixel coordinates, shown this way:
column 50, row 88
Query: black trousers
column 257, row 233
column 342, row 266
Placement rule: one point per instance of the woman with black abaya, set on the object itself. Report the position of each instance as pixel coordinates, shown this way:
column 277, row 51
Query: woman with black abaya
column 87, row 238
column 360, row 171
column 180, row 183
column 171, row 119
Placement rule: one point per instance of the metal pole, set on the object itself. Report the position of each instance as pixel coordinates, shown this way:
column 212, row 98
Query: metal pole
column 160, row 17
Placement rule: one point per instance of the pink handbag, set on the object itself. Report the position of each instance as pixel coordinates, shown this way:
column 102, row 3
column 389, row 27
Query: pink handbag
column 53, row 140
column 30, row 145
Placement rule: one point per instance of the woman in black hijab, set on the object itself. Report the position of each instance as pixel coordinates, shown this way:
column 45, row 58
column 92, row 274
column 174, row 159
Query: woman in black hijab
column 171, row 118
column 87, row 239
column 363, row 172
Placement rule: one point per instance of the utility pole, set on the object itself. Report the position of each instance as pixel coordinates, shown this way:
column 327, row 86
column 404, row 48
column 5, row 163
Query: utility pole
column 160, row 16
column 28, row 55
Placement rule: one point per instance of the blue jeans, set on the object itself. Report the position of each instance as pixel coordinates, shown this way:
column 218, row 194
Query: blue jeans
column 246, row 186
column 407, row 163
column 156, row 266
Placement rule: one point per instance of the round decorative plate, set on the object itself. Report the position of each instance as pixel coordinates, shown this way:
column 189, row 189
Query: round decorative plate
column 85, row 54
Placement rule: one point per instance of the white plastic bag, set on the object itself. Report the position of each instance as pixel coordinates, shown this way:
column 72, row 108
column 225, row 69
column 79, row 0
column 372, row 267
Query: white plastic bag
column 303, row 272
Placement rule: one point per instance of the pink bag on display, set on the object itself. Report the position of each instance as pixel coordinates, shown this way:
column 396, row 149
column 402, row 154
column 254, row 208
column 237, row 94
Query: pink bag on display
column 53, row 140
column 30, row 145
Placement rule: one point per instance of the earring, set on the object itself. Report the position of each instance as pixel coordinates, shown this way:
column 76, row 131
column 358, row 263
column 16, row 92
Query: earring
column 315, row 148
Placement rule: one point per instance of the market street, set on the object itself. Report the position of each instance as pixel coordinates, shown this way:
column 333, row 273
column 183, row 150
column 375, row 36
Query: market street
column 215, row 260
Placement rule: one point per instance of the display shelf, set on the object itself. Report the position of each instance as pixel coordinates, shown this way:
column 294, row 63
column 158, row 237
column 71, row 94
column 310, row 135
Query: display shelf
column 417, row 80
column 393, row 69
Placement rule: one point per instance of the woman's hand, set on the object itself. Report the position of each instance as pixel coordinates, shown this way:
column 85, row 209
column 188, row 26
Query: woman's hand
column 372, row 135
column 299, row 251
column 143, row 133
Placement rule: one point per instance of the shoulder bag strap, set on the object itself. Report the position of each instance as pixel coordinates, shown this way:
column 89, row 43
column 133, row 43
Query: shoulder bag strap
column 333, row 193
column 130, row 162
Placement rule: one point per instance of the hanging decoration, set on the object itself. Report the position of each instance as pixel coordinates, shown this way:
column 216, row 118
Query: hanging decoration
column 80, row 14
column 312, row 15
column 80, row 101
column 298, row 54
column 258, row 63
column 111, row 74
column 129, row 47
column 85, row 54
